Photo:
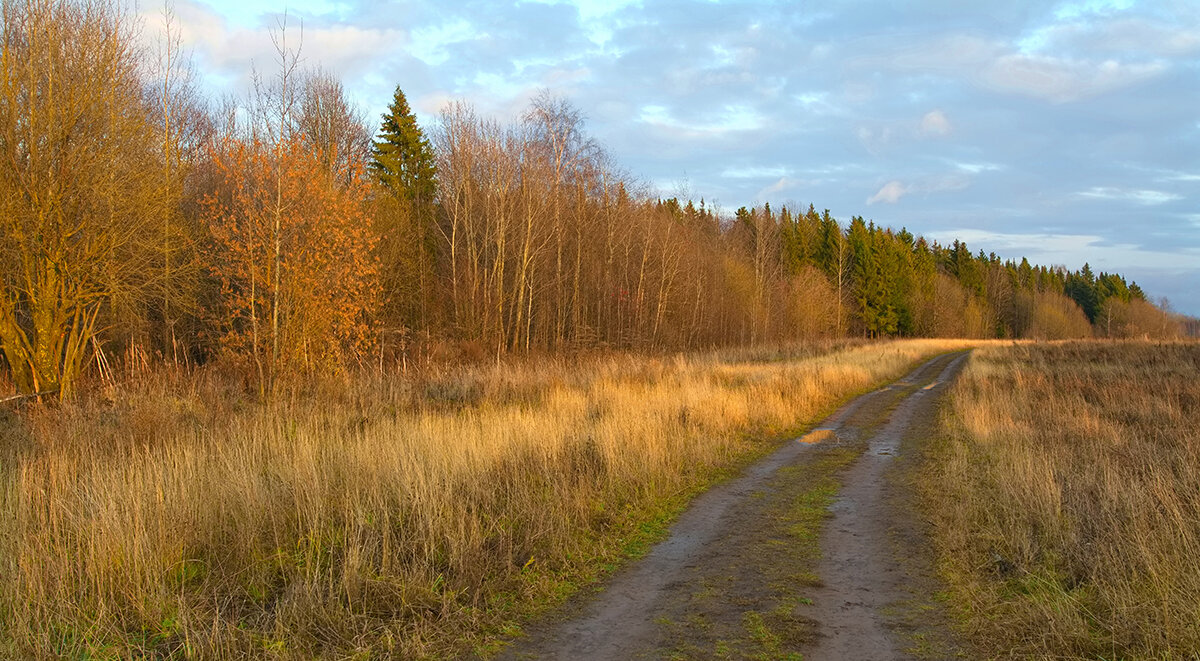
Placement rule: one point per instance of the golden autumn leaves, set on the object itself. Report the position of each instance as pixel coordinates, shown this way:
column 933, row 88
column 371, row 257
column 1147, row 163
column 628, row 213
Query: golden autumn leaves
column 135, row 213
column 292, row 250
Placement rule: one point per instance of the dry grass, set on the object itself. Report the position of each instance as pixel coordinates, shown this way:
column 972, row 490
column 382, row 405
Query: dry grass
column 1067, row 500
column 408, row 517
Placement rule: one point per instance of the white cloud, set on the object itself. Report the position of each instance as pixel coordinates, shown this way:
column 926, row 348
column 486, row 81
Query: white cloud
column 228, row 48
column 1116, row 37
column 1073, row 10
column 893, row 190
column 885, row 135
column 348, row 48
column 431, row 44
column 753, row 172
column 730, row 119
column 592, row 9
column 935, row 123
column 1061, row 80
column 976, row 168
column 1148, row 197
column 816, row 103
column 1164, row 40
column 877, row 140
column 891, row 193
column 790, row 184
column 1026, row 66
column 949, row 182
column 433, row 103
column 563, row 78
column 784, row 183
column 1184, row 176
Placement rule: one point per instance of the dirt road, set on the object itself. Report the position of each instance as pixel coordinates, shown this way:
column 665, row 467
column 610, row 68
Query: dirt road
column 808, row 554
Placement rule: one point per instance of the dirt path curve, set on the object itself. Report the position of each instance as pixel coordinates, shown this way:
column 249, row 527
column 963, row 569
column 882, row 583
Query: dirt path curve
column 741, row 575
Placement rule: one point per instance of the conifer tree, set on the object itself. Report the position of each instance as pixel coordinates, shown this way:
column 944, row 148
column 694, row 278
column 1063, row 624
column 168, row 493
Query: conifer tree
column 402, row 157
column 403, row 161
column 1081, row 287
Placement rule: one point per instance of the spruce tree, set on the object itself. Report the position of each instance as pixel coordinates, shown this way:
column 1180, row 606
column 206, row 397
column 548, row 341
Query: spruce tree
column 402, row 157
column 403, row 162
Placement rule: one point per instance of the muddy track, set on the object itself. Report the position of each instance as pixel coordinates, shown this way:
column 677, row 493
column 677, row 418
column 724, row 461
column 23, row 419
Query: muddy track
column 796, row 556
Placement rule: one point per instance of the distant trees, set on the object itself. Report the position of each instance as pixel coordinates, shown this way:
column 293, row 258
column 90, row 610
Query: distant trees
column 894, row 283
column 544, row 245
column 876, row 273
column 1118, row 308
column 812, row 305
column 833, row 256
column 1057, row 317
column 279, row 236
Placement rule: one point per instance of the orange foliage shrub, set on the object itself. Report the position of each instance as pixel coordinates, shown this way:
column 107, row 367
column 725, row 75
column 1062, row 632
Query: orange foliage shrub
column 292, row 250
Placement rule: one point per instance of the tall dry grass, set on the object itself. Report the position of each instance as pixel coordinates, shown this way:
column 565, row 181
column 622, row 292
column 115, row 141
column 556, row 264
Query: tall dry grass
column 403, row 517
column 1067, row 500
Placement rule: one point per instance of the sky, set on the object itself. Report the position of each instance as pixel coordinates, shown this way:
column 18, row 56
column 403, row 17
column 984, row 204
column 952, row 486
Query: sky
column 1065, row 132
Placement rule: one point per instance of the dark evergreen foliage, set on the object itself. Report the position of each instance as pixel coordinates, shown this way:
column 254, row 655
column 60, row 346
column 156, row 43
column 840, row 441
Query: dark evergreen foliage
column 402, row 157
column 890, row 274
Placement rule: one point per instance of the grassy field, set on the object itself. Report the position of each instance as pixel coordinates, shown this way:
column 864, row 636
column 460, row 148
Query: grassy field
column 413, row 517
column 1066, row 500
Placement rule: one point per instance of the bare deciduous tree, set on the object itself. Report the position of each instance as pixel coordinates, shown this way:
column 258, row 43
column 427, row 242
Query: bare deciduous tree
column 80, row 187
column 332, row 125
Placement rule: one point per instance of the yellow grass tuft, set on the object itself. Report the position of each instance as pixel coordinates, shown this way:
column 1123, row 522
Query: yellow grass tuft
column 819, row 436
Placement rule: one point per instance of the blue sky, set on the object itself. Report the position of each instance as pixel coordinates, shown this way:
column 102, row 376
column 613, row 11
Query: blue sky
column 1065, row 132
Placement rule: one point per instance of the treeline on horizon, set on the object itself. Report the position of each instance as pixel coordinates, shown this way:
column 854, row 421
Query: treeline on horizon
column 276, row 234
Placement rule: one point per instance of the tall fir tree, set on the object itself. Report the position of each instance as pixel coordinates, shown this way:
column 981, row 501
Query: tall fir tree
column 402, row 158
column 403, row 162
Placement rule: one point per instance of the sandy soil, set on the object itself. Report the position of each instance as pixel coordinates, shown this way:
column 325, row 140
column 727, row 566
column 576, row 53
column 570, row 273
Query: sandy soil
column 756, row 567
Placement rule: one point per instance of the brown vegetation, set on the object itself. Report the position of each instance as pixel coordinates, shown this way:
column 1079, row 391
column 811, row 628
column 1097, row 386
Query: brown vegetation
column 1067, row 500
column 291, row 250
column 401, row 516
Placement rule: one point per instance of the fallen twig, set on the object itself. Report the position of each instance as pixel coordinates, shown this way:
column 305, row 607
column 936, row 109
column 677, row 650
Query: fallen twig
column 11, row 398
